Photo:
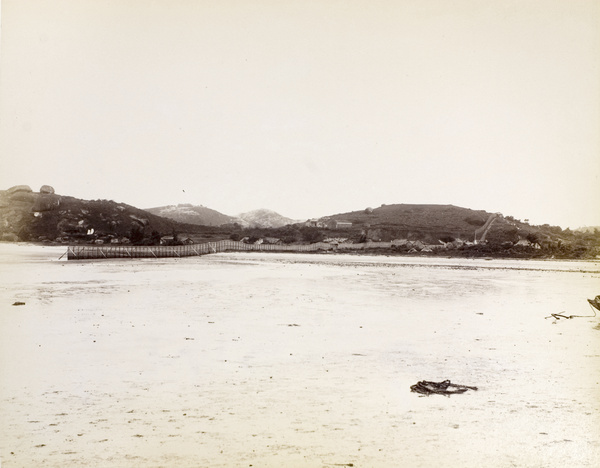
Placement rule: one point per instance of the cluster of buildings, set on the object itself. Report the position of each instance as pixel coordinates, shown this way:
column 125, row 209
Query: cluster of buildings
column 328, row 223
column 262, row 240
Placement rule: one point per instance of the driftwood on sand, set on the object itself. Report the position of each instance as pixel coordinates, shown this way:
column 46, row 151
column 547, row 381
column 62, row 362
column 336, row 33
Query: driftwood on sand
column 594, row 304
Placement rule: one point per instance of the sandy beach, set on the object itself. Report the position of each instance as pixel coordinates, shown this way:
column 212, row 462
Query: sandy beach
column 296, row 360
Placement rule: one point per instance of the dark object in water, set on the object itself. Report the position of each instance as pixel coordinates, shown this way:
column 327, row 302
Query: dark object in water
column 19, row 303
column 595, row 303
column 442, row 388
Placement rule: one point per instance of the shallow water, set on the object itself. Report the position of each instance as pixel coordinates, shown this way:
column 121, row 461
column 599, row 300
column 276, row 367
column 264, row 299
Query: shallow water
column 296, row 360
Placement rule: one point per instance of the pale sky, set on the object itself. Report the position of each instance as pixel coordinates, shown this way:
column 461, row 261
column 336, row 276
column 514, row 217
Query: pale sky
column 307, row 108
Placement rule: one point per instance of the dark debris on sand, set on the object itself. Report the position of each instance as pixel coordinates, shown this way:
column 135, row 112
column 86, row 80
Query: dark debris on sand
column 441, row 388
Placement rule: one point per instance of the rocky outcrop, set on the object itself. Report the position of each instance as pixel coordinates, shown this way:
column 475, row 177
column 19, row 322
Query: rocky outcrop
column 47, row 189
column 12, row 219
column 22, row 196
column 19, row 188
column 19, row 194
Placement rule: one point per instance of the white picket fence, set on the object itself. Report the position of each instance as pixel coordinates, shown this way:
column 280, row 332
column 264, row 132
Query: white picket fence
column 83, row 252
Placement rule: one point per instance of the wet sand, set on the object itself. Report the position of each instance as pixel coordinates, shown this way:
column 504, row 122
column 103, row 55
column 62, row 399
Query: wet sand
column 293, row 360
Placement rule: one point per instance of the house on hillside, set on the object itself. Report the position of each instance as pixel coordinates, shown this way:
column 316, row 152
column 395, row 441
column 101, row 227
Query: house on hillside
column 457, row 243
column 335, row 240
column 524, row 243
column 335, row 224
column 272, row 241
column 250, row 240
column 317, row 223
column 399, row 242
column 171, row 240
column 418, row 245
column 167, row 240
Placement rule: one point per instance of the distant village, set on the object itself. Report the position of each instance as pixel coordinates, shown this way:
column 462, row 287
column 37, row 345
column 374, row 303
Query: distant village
column 409, row 246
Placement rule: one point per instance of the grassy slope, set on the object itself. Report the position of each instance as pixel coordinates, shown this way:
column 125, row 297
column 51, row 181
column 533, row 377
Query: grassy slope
column 419, row 220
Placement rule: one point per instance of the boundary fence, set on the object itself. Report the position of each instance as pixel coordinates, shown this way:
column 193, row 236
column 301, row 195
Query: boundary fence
column 85, row 252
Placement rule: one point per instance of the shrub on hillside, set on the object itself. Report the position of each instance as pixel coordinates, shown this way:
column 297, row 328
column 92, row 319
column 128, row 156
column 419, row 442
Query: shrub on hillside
column 475, row 220
column 311, row 235
column 136, row 235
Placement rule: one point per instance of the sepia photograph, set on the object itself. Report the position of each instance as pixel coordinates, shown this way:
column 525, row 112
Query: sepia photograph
column 299, row 233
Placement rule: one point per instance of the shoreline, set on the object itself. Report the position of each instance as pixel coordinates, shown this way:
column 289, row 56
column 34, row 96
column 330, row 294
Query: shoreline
column 468, row 252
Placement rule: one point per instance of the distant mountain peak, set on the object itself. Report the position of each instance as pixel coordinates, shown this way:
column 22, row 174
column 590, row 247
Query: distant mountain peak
column 192, row 214
column 263, row 218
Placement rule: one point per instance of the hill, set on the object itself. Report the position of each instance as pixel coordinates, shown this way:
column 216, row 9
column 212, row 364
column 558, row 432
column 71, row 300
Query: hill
column 263, row 219
column 46, row 216
column 192, row 214
column 470, row 232
column 432, row 222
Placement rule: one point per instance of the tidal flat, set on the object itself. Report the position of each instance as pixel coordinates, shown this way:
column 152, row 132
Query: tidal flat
column 296, row 360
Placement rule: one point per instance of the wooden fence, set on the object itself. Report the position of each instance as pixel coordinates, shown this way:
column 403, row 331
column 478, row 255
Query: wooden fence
column 83, row 252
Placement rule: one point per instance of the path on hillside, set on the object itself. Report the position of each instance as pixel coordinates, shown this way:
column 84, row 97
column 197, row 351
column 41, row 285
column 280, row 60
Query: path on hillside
column 483, row 230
